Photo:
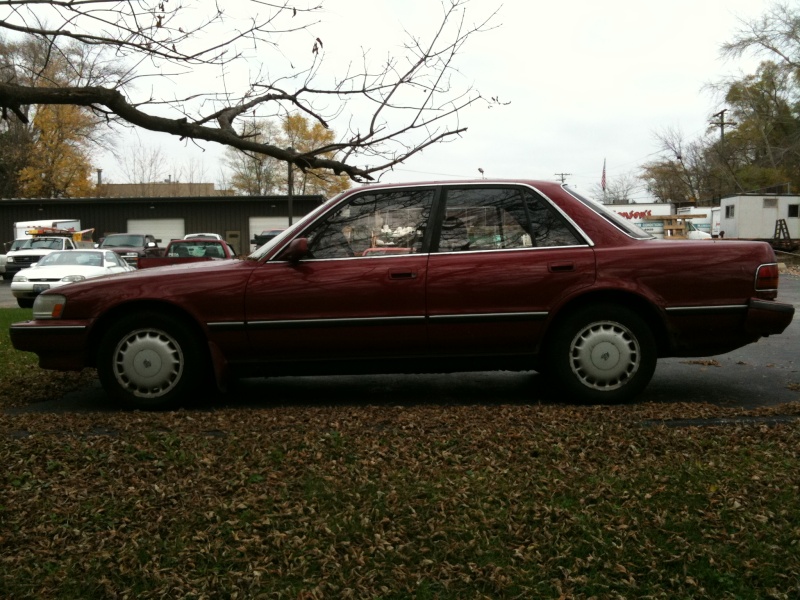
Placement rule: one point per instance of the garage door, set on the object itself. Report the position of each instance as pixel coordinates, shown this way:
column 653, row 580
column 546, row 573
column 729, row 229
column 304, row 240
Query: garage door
column 162, row 229
column 259, row 224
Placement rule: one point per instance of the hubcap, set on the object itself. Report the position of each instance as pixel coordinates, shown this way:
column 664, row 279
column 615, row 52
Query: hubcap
column 604, row 355
column 148, row 363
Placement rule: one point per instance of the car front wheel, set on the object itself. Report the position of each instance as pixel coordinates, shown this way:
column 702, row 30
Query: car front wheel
column 149, row 361
column 602, row 354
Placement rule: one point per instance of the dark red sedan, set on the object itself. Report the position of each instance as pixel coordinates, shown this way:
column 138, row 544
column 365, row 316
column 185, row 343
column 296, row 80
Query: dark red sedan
column 429, row 277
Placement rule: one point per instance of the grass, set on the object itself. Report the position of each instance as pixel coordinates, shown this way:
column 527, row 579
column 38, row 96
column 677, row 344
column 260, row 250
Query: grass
column 12, row 363
column 21, row 380
column 380, row 501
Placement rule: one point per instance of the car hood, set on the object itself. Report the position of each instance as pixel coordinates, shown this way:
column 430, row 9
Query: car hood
column 31, row 252
column 59, row 271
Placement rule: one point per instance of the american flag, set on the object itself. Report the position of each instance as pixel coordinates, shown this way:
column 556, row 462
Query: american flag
column 603, row 178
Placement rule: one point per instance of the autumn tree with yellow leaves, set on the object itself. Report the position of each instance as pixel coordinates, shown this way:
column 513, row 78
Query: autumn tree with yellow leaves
column 50, row 144
column 59, row 165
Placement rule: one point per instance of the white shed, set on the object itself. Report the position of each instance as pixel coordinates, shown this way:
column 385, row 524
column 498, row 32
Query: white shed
column 754, row 217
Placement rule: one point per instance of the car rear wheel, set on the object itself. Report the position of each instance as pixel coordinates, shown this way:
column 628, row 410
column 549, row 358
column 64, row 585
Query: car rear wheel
column 149, row 361
column 602, row 354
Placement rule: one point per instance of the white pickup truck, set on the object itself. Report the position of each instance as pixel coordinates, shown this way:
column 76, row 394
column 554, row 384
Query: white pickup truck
column 24, row 252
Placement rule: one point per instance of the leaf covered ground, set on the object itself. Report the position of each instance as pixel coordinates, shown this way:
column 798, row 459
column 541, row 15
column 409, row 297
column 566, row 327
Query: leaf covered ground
column 423, row 501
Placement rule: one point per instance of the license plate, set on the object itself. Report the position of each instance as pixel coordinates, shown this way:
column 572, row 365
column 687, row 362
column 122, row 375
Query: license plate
column 38, row 288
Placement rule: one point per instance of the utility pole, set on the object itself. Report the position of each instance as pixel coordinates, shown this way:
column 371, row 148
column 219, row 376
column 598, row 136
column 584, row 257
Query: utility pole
column 290, row 186
column 563, row 176
column 721, row 123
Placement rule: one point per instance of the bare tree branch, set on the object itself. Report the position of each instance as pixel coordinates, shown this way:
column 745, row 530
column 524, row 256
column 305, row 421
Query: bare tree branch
column 387, row 119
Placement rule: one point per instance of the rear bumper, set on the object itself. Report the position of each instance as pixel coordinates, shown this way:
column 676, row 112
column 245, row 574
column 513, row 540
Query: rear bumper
column 765, row 317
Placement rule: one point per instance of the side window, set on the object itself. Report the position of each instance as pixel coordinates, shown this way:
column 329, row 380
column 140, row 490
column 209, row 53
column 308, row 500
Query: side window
column 548, row 227
column 373, row 224
column 484, row 218
column 794, row 211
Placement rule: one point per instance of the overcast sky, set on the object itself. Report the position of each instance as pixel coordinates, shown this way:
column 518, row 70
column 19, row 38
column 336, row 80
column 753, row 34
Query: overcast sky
column 587, row 81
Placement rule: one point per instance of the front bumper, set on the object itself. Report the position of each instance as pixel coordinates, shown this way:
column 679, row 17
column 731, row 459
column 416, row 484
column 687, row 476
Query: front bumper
column 31, row 289
column 60, row 345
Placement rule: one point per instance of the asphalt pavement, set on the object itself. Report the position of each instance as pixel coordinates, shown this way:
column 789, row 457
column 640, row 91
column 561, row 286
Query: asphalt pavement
column 762, row 374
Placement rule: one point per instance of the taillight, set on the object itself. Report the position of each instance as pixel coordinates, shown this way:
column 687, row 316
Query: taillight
column 767, row 281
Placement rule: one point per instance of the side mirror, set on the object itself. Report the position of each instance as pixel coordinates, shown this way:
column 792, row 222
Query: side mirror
column 295, row 251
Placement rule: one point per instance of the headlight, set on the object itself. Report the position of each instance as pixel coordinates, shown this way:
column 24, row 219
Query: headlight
column 10, row 259
column 70, row 278
column 48, row 306
column 19, row 279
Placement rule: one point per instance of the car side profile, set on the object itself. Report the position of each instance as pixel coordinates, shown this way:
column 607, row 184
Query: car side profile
column 426, row 277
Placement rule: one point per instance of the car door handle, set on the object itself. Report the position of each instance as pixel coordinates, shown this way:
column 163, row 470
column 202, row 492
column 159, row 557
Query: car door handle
column 561, row 267
column 402, row 274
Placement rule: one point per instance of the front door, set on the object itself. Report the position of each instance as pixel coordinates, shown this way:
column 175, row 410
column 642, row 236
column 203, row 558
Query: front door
column 360, row 295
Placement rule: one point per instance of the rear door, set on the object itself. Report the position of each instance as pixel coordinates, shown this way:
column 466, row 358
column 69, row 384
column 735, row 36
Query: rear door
column 503, row 256
column 360, row 295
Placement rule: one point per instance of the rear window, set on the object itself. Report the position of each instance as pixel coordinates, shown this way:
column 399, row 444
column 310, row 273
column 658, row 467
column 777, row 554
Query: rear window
column 609, row 215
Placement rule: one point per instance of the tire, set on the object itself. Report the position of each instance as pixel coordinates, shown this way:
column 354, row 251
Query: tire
column 604, row 354
column 24, row 302
column 151, row 362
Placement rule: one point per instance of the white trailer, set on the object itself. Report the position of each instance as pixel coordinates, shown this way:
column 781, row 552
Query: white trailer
column 754, row 217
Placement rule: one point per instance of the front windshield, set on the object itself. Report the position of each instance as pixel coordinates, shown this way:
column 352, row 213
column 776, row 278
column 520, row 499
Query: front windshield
column 609, row 215
column 41, row 244
column 83, row 258
column 117, row 241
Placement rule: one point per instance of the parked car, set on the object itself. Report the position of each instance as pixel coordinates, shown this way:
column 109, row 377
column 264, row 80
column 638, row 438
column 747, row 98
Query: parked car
column 180, row 252
column 63, row 267
column 131, row 246
column 25, row 252
column 489, row 275
column 693, row 232
column 262, row 238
